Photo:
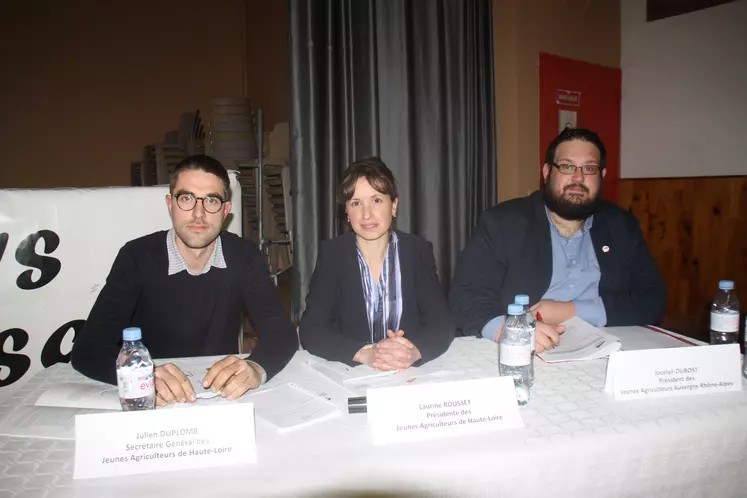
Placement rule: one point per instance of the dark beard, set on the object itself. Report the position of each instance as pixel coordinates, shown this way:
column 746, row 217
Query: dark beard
column 569, row 210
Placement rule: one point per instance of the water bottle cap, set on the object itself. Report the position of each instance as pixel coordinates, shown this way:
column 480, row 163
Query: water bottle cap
column 515, row 309
column 132, row 334
column 522, row 299
column 726, row 285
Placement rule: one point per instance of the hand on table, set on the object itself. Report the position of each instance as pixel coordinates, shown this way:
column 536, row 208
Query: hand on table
column 554, row 312
column 172, row 386
column 393, row 353
column 232, row 377
column 548, row 336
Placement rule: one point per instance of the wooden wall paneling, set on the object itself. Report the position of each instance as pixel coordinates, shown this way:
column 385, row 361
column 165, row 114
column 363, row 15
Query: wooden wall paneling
column 696, row 229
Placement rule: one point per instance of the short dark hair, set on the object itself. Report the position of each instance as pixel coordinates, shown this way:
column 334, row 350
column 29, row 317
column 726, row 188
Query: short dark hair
column 373, row 169
column 201, row 162
column 582, row 134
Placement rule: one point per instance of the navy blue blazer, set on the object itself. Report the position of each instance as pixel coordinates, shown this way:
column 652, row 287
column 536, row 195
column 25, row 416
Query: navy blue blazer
column 510, row 252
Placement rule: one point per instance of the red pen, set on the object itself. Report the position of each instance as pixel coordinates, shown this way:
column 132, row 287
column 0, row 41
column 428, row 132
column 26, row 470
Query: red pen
column 539, row 316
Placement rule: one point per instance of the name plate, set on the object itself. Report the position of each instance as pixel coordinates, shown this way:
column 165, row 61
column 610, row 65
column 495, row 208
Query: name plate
column 659, row 373
column 430, row 411
column 124, row 443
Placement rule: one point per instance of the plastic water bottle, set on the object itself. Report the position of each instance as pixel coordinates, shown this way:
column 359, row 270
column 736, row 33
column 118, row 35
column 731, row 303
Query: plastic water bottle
column 137, row 387
column 725, row 315
column 523, row 300
column 514, row 351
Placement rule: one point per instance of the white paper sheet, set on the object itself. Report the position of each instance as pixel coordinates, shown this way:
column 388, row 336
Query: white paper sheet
column 363, row 376
column 195, row 370
column 289, row 407
column 313, row 380
column 98, row 396
column 332, row 370
column 42, row 422
column 581, row 341
column 357, row 380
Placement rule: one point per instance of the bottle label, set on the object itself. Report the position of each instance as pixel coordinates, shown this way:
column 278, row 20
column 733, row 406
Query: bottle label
column 136, row 382
column 515, row 356
column 724, row 322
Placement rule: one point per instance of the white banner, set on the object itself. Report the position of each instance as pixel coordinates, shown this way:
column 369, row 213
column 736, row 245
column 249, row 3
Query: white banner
column 56, row 249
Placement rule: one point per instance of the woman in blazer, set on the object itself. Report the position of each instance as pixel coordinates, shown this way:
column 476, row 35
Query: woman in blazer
column 374, row 297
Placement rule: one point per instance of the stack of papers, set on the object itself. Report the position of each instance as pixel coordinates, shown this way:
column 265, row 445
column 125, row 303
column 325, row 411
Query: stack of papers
column 581, row 341
column 289, row 407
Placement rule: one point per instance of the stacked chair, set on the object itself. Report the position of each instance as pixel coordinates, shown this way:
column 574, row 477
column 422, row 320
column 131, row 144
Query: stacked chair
column 159, row 160
column 277, row 201
column 191, row 134
column 232, row 140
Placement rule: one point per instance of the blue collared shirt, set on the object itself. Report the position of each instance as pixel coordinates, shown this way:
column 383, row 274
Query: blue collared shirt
column 575, row 277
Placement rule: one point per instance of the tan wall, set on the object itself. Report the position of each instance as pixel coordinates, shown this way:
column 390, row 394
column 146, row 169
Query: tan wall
column 579, row 29
column 268, row 62
column 86, row 84
column 89, row 83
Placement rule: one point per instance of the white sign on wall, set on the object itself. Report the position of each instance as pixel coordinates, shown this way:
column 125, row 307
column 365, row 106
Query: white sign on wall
column 56, row 249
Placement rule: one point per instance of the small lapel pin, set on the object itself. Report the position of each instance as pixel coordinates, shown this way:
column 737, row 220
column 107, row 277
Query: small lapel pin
column 605, row 248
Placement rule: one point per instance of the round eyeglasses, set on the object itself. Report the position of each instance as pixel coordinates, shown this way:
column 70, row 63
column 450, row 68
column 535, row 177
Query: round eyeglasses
column 210, row 203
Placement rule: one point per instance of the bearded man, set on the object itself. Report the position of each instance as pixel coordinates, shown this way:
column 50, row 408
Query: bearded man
column 572, row 252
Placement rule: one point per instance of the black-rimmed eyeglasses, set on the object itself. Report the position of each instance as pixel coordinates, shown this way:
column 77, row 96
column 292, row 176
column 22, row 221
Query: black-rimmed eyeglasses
column 210, row 203
column 570, row 169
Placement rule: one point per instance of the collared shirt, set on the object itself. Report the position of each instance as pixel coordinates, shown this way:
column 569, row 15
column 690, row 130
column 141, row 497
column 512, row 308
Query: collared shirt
column 216, row 259
column 176, row 260
column 575, row 277
column 383, row 298
column 576, row 273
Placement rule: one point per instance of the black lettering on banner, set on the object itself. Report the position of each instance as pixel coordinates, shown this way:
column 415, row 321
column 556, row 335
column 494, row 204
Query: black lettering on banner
column 3, row 244
column 18, row 363
column 52, row 353
column 48, row 265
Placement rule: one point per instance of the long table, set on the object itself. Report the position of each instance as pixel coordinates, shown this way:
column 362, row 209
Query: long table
column 577, row 442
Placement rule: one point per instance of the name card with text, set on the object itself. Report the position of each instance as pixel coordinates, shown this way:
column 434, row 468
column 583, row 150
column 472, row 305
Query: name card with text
column 658, row 373
column 115, row 444
column 430, row 411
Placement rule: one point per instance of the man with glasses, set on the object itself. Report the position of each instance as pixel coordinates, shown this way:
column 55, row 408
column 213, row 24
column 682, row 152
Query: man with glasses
column 186, row 289
column 571, row 251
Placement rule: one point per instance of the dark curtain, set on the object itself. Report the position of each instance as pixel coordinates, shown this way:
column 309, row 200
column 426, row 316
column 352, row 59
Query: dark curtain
column 410, row 81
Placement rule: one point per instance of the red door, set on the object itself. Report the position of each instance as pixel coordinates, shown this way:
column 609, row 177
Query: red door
column 593, row 93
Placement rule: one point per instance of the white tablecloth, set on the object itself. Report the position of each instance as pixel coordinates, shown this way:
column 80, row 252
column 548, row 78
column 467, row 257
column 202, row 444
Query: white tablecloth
column 577, row 442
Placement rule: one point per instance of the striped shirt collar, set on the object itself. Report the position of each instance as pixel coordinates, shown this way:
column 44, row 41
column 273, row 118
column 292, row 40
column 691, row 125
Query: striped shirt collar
column 176, row 260
column 383, row 298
